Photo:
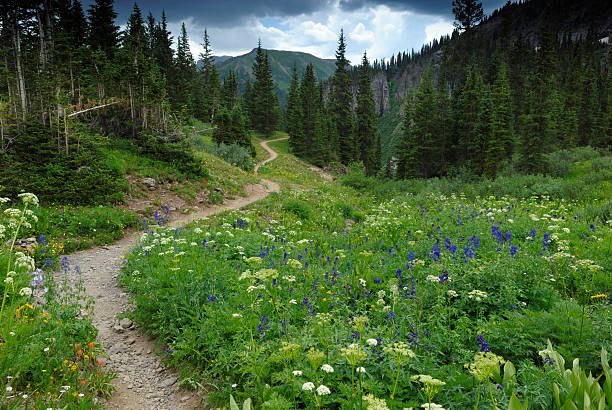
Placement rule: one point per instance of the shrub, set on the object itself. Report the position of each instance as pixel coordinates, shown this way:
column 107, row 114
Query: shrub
column 559, row 163
column 300, row 208
column 34, row 163
column 236, row 155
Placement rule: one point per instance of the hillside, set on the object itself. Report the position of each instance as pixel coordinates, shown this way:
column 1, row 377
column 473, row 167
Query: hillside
column 281, row 63
column 567, row 20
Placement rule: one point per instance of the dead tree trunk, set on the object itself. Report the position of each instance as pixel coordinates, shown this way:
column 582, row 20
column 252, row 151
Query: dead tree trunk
column 20, row 75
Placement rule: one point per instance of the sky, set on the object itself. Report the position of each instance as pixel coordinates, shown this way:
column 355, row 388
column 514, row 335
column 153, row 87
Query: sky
column 379, row 27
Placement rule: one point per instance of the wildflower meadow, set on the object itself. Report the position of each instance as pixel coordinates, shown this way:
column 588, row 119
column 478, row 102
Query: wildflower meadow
column 49, row 356
column 339, row 300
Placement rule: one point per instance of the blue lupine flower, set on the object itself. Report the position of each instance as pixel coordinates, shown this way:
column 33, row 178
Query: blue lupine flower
column 484, row 346
column 513, row 250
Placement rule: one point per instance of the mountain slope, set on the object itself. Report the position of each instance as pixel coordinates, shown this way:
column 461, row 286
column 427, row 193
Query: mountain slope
column 566, row 19
column 281, row 63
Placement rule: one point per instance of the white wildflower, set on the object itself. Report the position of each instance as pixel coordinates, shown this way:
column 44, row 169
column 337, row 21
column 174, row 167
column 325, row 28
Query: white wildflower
column 327, row 368
column 323, row 390
column 297, row 373
column 308, row 386
column 372, row 342
column 432, row 278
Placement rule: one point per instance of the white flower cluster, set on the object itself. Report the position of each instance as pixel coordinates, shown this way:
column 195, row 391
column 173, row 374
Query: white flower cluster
column 477, row 295
column 432, row 278
column 24, row 261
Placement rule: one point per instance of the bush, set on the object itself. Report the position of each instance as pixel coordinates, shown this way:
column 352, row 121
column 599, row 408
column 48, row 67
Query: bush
column 300, row 208
column 559, row 163
column 176, row 152
column 234, row 154
column 35, row 164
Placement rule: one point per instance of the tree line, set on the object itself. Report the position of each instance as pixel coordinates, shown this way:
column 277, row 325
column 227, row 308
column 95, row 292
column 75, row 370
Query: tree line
column 60, row 60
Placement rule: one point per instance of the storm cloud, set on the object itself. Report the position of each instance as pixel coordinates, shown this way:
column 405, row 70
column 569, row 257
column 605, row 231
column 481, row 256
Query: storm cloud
column 379, row 27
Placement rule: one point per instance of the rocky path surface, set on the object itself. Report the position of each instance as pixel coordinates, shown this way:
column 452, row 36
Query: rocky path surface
column 142, row 381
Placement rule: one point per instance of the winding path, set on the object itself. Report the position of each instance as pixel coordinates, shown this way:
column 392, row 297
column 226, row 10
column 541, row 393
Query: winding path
column 142, row 381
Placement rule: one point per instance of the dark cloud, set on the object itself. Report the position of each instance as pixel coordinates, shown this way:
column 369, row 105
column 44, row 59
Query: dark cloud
column 219, row 13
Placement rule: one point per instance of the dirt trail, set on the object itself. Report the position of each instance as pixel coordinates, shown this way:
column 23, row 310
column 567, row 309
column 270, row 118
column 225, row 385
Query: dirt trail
column 272, row 153
column 142, row 381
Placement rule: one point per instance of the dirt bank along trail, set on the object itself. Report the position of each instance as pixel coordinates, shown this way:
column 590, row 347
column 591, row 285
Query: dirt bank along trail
column 142, row 381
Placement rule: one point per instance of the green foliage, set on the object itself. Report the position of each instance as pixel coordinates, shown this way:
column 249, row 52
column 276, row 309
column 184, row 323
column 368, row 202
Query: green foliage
column 47, row 340
column 365, row 132
column 573, row 332
column 341, row 98
column 300, row 208
column 233, row 154
column 576, row 389
column 234, row 406
column 175, row 152
column 559, row 163
column 79, row 176
column 265, row 111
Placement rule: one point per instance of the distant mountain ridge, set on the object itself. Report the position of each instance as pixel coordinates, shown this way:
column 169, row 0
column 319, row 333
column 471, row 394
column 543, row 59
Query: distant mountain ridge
column 281, row 64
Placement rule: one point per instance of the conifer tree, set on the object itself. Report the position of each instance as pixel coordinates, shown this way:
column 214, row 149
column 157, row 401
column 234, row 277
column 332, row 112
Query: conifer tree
column 365, row 131
column 312, row 146
column 265, row 114
column 340, row 100
column 422, row 148
column 248, row 99
column 467, row 117
column 185, row 74
column 294, row 115
column 229, row 91
column 211, row 79
column 103, row 33
column 467, row 13
column 162, row 48
column 239, row 132
column 500, row 140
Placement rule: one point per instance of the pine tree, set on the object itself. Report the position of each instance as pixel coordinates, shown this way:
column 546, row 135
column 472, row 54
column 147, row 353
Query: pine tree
column 248, row 99
column 239, row 133
column 366, row 132
column 229, row 91
column 223, row 130
column 312, row 145
column 211, row 79
column 422, row 147
column 293, row 115
column 103, row 33
column 340, row 100
column 500, row 142
column 467, row 116
column 185, row 75
column 467, row 13
column 265, row 114
column 162, row 48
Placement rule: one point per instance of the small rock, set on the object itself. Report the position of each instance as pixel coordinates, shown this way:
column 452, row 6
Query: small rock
column 185, row 398
column 168, row 382
column 150, row 182
column 130, row 341
column 30, row 240
column 118, row 348
column 149, row 351
column 126, row 323
column 118, row 329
